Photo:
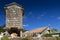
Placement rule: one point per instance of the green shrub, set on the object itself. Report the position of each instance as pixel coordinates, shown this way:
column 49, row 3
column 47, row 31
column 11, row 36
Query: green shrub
column 58, row 38
column 26, row 38
column 47, row 35
column 4, row 38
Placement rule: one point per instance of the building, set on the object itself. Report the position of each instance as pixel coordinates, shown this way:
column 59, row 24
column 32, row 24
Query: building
column 14, row 13
column 56, row 33
column 38, row 32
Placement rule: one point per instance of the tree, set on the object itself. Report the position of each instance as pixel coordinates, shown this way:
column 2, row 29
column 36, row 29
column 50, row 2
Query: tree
column 47, row 35
column 54, row 30
column 1, row 28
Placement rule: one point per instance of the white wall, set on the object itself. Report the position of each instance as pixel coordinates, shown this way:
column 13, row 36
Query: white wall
column 39, row 35
column 55, row 35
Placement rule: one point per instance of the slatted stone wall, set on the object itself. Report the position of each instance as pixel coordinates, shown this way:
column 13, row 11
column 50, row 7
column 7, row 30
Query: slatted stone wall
column 45, row 38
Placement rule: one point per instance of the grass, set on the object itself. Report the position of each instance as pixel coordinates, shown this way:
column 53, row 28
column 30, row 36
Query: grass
column 4, row 38
column 58, row 38
column 47, row 35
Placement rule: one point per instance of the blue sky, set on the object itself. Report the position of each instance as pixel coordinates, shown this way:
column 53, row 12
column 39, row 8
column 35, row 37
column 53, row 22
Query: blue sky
column 37, row 13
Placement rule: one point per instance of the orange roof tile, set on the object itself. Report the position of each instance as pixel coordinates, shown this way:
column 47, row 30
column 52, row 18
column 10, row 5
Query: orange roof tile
column 37, row 30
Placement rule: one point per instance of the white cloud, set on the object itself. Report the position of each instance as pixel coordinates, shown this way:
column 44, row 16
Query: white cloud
column 49, row 24
column 42, row 15
column 58, row 17
column 51, row 16
column 25, row 25
column 24, row 17
column 38, row 17
column 30, row 13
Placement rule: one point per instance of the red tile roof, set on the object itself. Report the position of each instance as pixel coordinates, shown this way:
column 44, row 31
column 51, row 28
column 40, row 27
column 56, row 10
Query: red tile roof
column 37, row 30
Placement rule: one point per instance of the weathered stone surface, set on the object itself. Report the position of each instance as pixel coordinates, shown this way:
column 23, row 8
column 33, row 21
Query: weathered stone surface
column 13, row 16
column 15, row 39
column 44, row 38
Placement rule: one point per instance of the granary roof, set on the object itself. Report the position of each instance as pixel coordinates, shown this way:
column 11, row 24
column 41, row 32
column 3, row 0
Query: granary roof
column 13, row 3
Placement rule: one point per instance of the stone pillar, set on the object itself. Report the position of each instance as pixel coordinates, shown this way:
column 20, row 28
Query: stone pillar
column 21, row 33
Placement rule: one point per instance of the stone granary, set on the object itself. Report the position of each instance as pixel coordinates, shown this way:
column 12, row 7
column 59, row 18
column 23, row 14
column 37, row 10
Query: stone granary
column 14, row 13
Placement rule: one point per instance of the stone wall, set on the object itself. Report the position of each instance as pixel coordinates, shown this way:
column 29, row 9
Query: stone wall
column 35, row 38
column 44, row 38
